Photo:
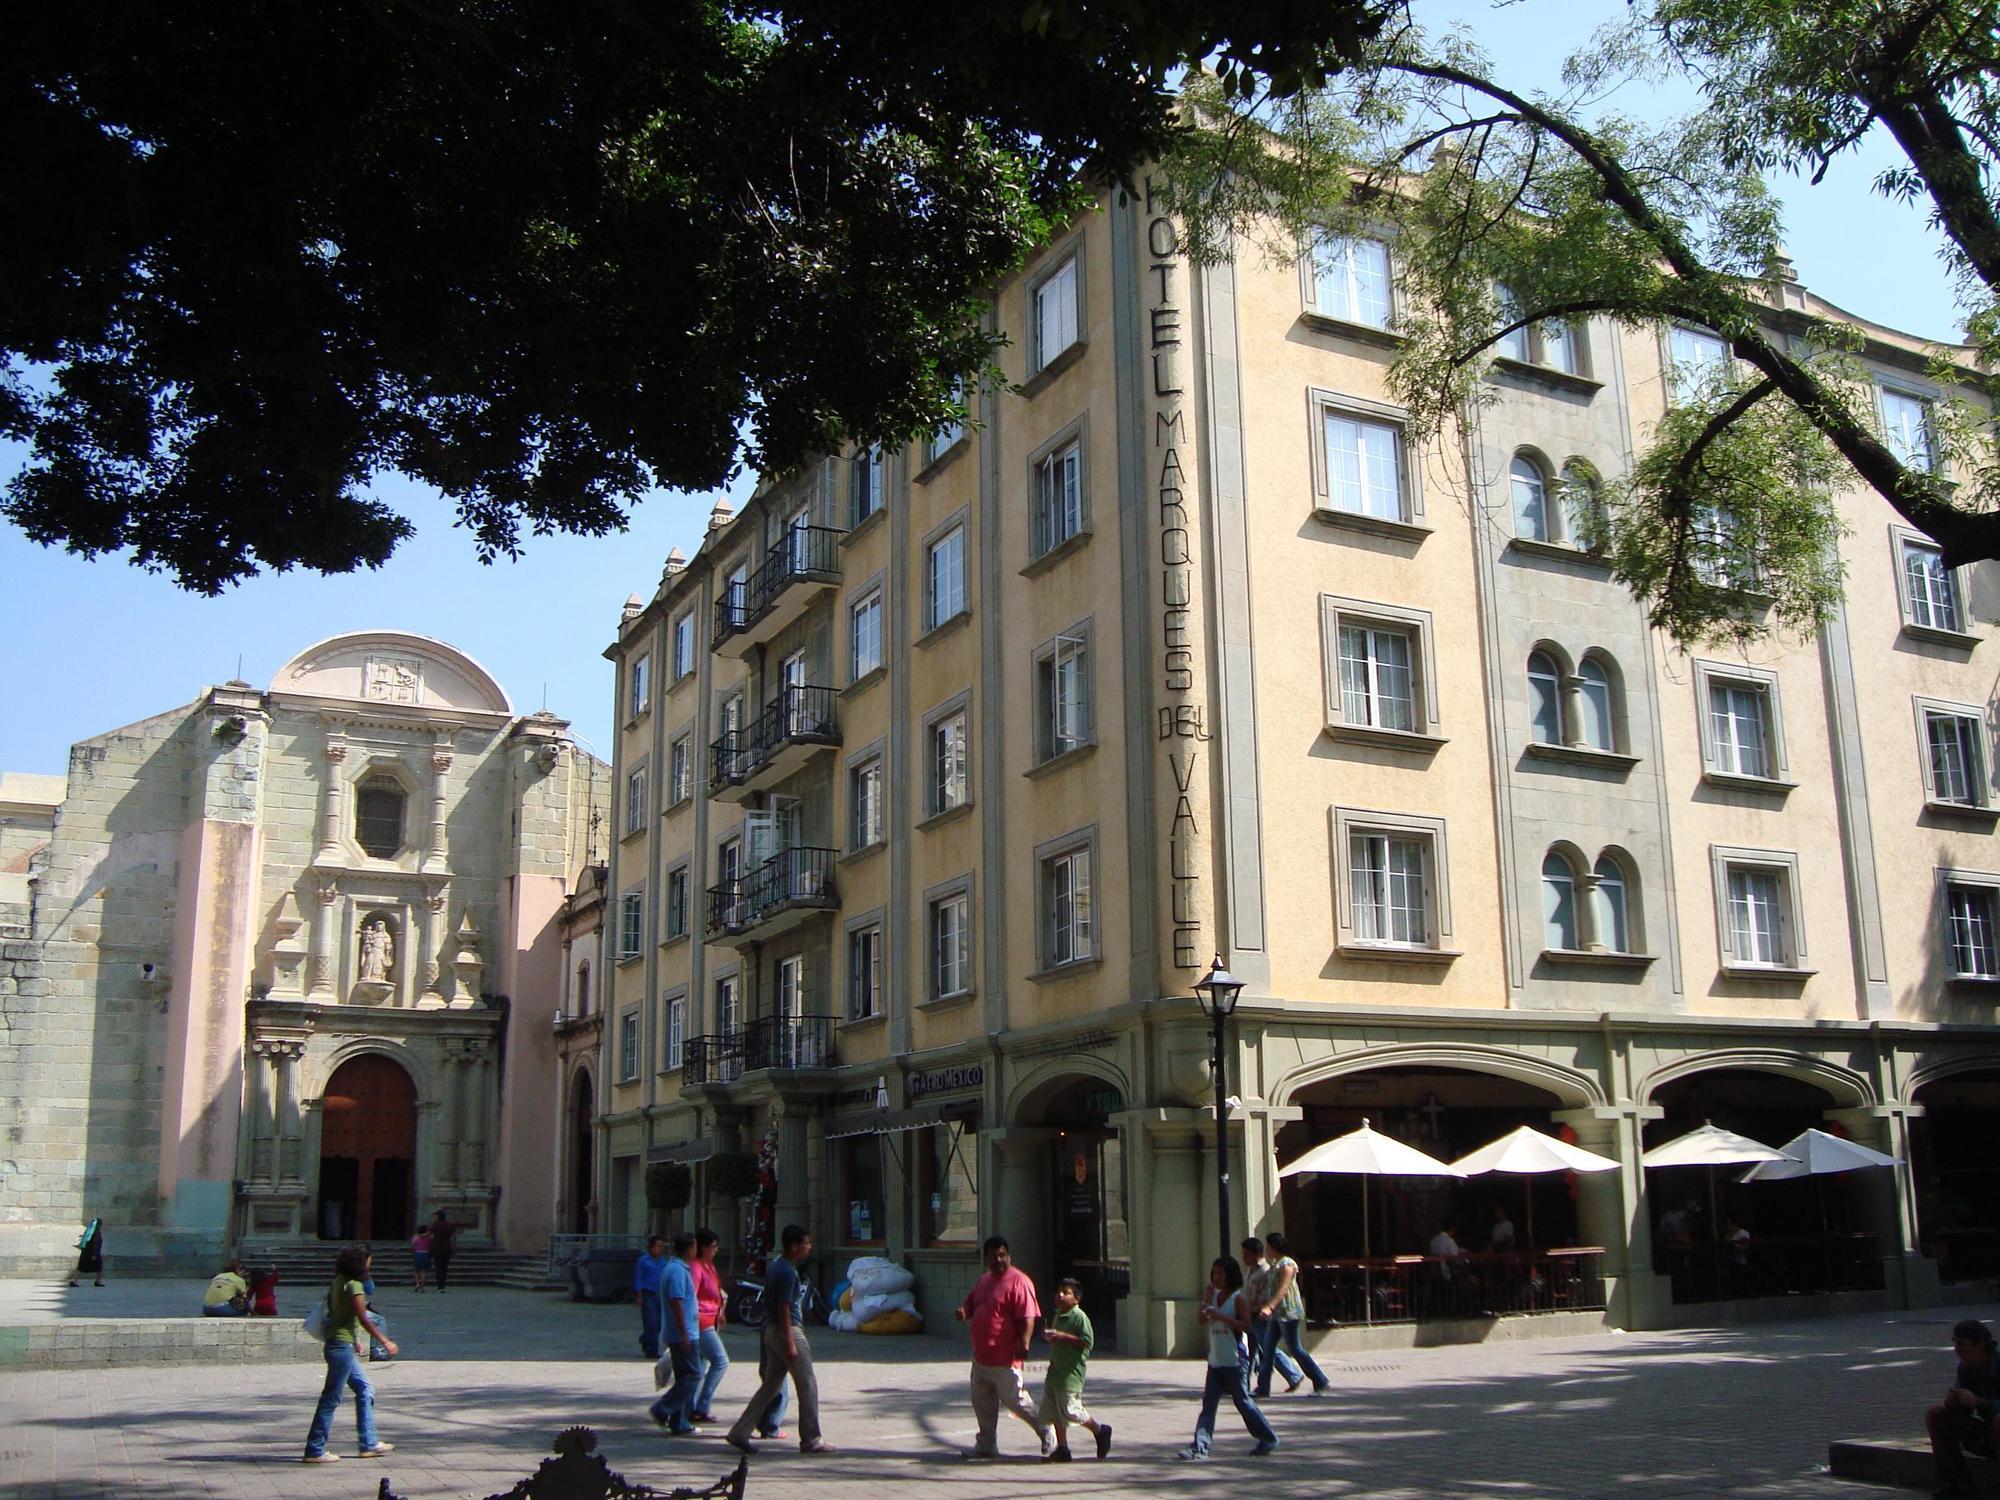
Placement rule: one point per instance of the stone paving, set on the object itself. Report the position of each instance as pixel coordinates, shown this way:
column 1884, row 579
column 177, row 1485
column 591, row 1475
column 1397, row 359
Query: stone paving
column 488, row 1376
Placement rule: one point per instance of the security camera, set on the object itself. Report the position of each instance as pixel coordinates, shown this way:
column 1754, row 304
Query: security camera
column 147, row 970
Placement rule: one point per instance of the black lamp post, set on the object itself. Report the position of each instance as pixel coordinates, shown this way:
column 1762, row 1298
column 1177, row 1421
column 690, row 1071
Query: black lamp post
column 1217, row 992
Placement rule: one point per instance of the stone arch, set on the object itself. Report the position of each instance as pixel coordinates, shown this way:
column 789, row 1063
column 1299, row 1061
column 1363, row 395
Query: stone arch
column 1848, row 1089
column 323, row 1066
column 1946, row 1067
column 1039, row 1085
column 1573, row 1088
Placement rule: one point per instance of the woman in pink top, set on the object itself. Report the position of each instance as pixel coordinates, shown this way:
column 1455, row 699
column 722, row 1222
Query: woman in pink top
column 709, row 1352
column 420, row 1255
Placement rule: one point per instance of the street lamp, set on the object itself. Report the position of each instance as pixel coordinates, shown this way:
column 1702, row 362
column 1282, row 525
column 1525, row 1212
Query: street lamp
column 1217, row 992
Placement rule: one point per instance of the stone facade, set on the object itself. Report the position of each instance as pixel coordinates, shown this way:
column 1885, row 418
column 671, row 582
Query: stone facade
column 365, row 860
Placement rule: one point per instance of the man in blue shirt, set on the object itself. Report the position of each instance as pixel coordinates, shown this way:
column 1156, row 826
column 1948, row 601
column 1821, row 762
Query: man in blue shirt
column 785, row 1350
column 682, row 1325
column 646, row 1283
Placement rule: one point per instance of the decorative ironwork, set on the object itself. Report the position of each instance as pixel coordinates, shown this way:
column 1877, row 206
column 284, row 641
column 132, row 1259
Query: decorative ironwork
column 579, row 1472
column 802, row 553
column 801, row 877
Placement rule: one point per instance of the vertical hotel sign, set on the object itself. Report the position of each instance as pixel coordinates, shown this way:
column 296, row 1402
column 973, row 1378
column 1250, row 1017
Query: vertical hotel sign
column 1181, row 730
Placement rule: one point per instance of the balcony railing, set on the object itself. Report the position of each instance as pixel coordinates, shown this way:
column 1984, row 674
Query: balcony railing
column 712, row 1059
column 788, row 1043
column 791, row 880
column 798, row 721
column 729, row 760
column 1428, row 1289
column 802, row 554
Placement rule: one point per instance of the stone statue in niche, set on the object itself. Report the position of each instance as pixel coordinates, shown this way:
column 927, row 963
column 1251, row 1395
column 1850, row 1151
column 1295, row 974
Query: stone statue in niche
column 378, row 962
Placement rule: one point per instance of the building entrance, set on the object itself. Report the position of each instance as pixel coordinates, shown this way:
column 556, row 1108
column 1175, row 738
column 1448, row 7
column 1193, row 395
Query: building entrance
column 1089, row 1235
column 583, row 1157
column 368, row 1151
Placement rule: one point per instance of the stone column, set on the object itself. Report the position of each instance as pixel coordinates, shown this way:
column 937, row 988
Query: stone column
column 430, row 996
column 478, row 1071
column 794, row 1205
column 1021, row 1196
column 324, row 912
column 454, row 1114
column 290, row 1154
column 331, row 808
column 1612, row 1211
column 262, row 1168
column 436, row 857
column 1171, row 1219
column 1889, row 1199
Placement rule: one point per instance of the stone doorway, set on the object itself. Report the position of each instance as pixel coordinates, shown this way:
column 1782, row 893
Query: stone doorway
column 1089, row 1237
column 583, row 1155
column 368, row 1151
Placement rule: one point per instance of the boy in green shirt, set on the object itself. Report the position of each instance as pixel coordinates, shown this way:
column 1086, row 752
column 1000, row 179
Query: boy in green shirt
column 1070, row 1339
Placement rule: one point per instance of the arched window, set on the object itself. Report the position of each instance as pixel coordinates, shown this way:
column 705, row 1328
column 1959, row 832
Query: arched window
column 1544, row 699
column 378, row 817
column 1613, row 906
column 1531, row 499
column 582, row 997
column 1513, row 344
column 1594, row 708
column 1558, row 903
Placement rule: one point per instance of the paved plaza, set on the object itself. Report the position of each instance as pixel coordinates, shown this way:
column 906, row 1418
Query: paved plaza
column 488, row 1376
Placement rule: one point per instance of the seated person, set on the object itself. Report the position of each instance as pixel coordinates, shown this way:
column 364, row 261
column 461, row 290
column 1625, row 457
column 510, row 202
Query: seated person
column 228, row 1294
column 1735, row 1242
column 1500, row 1238
column 264, row 1293
column 1675, row 1231
column 1966, row 1419
column 1445, row 1246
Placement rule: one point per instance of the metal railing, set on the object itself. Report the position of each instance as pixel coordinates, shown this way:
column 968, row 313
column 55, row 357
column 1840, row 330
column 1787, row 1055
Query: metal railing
column 1432, row 1289
column 802, row 552
column 1802, row 1265
column 788, row 1043
column 791, row 877
column 799, row 714
column 729, row 759
column 717, row 1058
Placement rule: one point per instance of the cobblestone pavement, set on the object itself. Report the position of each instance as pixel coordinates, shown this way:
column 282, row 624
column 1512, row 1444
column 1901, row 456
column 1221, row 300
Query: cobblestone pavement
column 487, row 1377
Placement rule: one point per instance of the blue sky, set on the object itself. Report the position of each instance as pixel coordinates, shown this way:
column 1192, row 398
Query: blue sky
column 91, row 646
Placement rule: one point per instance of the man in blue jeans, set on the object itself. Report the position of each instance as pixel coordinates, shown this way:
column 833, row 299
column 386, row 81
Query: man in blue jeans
column 682, row 1325
column 646, row 1285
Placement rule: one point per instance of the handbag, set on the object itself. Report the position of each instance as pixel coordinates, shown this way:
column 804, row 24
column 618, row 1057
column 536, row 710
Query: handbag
column 316, row 1321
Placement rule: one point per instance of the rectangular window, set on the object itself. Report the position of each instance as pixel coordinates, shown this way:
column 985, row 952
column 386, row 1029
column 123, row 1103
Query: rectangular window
column 1930, row 592
column 1957, row 759
column 1972, row 919
column 1058, row 497
column 1700, row 360
column 1062, row 681
column 728, row 1014
column 1055, row 307
column 1364, row 466
column 1739, row 717
column 946, row 584
column 1351, row 281
column 680, row 771
column 947, row 435
column 948, row 1180
column 864, row 972
column 1067, row 913
column 677, row 903
column 635, row 801
column 628, row 1046
column 1390, row 890
column 1759, row 917
column 631, row 923
column 865, row 636
column 950, row 945
column 868, row 486
column 858, row 1160
column 864, row 804
column 791, row 987
column 1514, row 343
column 683, row 646
column 676, row 1029
column 1377, row 687
column 950, row 782
column 1907, row 429
column 642, row 683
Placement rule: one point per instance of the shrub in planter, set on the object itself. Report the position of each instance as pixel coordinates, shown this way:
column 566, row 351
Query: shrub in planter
column 732, row 1174
column 669, row 1186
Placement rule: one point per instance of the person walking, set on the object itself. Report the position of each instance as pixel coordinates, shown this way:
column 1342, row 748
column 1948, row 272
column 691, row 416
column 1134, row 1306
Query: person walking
column 378, row 1349
column 444, row 1235
column 90, row 1253
column 786, row 1351
column 1222, row 1314
column 708, row 1300
column 646, row 1289
column 1002, row 1310
column 1071, row 1338
column 347, row 1315
column 677, row 1315
column 420, row 1256
column 1264, row 1350
column 1287, row 1302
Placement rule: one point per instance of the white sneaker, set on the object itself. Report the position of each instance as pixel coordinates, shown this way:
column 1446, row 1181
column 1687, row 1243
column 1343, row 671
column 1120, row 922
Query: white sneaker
column 329, row 1457
column 1048, row 1441
column 1190, row 1452
column 377, row 1451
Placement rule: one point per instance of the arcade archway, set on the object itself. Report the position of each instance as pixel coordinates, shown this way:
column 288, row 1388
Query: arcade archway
column 368, row 1151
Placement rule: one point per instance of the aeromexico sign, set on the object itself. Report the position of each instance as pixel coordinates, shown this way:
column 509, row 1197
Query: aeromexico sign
column 1180, row 727
column 945, row 1081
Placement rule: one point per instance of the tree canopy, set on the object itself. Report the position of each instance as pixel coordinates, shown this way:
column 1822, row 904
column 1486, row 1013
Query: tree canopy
column 1512, row 211
column 541, row 256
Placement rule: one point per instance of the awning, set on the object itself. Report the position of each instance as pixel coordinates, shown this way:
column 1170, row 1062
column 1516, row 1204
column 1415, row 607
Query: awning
column 890, row 1121
column 701, row 1148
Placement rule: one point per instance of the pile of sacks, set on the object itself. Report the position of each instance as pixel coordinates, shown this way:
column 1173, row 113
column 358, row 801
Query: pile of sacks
column 876, row 1297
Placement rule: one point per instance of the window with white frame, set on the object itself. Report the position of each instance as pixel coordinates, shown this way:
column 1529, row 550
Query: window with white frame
column 635, row 801
column 1067, row 923
column 948, row 434
column 1742, row 733
column 1553, row 343
column 1596, row 702
column 631, row 923
column 1908, row 430
column 680, row 770
column 1062, row 694
column 1545, row 695
column 945, row 582
column 1581, row 505
column 1058, row 496
column 1530, row 488
column 628, row 1046
column 1954, row 754
column 728, row 1009
column 1758, row 908
column 1513, row 343
column 1055, row 305
column 1391, row 888
column 864, row 803
column 1560, row 929
column 948, row 944
column 1724, row 552
column 1350, row 280
column 1364, row 466
column 677, row 903
column 864, row 972
column 1611, row 906
column 864, row 624
column 791, row 989
column 1699, row 360
column 641, row 683
column 676, row 1032
column 1377, row 681
column 683, row 645
column 1972, row 925
column 1930, row 589
column 950, row 760
column 869, row 491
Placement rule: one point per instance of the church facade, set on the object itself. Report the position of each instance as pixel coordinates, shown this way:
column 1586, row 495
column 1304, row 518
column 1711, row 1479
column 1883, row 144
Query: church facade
column 292, row 966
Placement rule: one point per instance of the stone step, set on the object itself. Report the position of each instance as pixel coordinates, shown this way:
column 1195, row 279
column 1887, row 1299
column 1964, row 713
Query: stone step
column 1907, row 1465
column 478, row 1265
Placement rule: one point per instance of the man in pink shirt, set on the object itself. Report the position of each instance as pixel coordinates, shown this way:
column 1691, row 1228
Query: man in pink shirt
column 1002, row 1309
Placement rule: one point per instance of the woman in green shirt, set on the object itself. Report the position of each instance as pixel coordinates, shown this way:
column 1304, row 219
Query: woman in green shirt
column 346, row 1315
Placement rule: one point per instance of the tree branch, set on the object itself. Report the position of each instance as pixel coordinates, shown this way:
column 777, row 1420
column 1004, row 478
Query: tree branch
column 1718, row 424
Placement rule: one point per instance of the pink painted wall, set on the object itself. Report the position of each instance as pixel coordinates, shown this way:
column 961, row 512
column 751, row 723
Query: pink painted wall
column 530, row 975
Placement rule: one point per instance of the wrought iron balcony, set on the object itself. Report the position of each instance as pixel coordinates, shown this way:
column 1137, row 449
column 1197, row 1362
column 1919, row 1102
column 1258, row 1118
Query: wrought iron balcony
column 790, row 730
column 780, row 893
column 805, row 561
column 788, row 1043
column 712, row 1059
column 730, row 760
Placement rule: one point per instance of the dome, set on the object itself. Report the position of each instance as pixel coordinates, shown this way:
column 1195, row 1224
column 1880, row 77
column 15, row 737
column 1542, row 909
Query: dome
column 392, row 667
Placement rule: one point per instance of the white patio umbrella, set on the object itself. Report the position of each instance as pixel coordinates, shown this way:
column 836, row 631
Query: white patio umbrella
column 1367, row 1153
column 1710, row 1146
column 1528, row 1152
column 1815, row 1153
